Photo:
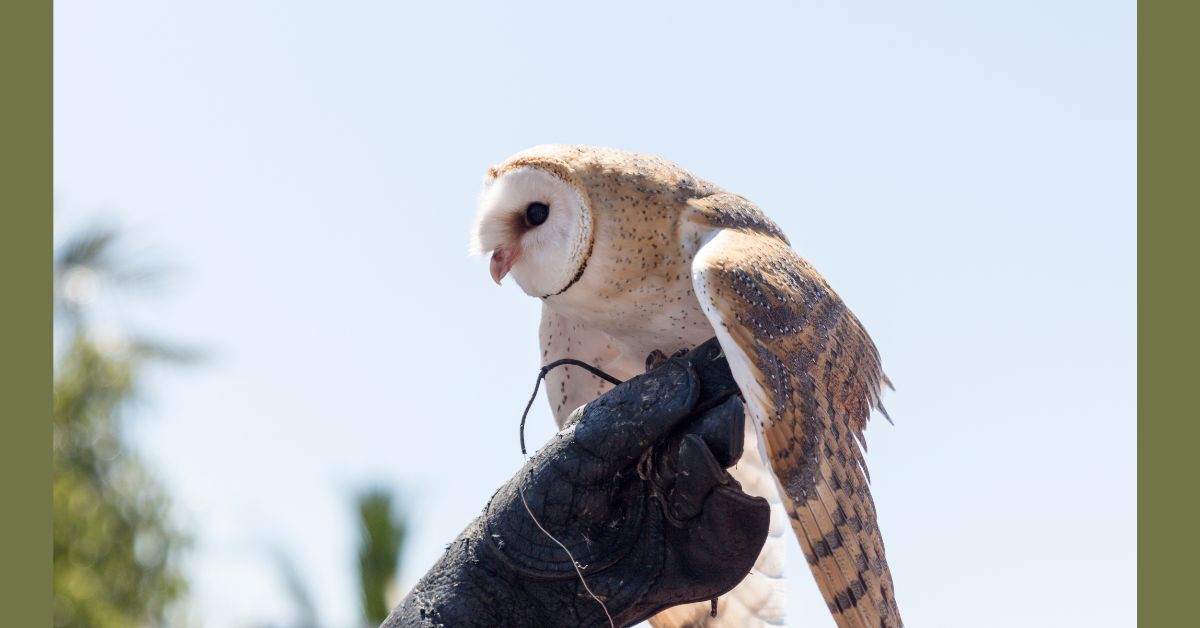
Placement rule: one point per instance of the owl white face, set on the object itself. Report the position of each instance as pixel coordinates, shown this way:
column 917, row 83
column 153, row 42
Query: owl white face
column 537, row 227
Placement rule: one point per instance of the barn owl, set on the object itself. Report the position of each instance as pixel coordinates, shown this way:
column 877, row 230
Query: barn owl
column 630, row 254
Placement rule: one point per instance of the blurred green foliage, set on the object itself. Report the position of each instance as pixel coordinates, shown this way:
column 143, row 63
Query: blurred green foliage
column 116, row 547
column 297, row 590
column 382, row 532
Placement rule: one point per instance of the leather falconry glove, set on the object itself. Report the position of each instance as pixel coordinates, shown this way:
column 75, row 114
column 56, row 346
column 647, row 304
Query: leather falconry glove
column 635, row 487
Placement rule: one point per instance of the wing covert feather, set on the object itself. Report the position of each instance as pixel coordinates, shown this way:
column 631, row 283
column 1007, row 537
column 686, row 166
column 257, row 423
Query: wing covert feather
column 811, row 376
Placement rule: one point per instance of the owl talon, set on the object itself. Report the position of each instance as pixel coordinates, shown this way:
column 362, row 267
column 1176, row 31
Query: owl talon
column 656, row 358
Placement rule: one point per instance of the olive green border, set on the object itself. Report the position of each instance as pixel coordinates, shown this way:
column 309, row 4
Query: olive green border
column 1168, row 234
column 26, row 187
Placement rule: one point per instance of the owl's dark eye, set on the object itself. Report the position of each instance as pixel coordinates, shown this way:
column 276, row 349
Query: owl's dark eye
column 536, row 214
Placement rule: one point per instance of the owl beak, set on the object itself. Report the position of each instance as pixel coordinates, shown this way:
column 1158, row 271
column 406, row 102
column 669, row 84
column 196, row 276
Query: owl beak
column 502, row 262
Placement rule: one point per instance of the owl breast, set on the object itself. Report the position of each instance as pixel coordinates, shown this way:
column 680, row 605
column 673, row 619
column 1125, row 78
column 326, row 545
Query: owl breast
column 643, row 307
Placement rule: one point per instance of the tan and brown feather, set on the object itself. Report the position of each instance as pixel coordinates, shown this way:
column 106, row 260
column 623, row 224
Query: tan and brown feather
column 819, row 377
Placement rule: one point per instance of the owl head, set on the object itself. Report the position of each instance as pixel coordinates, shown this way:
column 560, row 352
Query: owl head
column 535, row 220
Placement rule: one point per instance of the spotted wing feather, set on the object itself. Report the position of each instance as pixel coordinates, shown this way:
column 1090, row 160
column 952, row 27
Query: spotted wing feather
column 811, row 376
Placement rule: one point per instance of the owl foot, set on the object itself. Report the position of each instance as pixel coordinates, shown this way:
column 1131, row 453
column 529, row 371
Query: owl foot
column 657, row 357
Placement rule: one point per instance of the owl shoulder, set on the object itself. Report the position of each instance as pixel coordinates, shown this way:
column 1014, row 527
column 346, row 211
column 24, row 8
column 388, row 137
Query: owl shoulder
column 726, row 210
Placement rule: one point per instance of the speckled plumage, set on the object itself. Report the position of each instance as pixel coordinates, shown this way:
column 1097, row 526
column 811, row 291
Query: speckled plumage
column 670, row 261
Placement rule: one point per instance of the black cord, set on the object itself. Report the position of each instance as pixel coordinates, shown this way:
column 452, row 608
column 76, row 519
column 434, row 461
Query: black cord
column 615, row 382
column 521, row 489
column 542, row 375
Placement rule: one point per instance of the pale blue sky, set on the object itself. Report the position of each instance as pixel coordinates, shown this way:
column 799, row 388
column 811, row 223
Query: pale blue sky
column 962, row 173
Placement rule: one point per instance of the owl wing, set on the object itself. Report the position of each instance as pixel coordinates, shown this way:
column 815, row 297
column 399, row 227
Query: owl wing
column 810, row 375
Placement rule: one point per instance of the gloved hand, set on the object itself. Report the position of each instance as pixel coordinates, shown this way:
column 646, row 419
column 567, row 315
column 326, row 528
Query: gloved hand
column 635, row 487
